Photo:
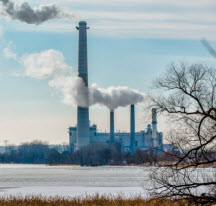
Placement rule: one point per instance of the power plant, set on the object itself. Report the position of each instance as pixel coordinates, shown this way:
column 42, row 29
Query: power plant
column 130, row 141
column 84, row 134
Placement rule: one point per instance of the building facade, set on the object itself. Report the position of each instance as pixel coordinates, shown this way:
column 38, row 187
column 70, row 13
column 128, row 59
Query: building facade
column 143, row 139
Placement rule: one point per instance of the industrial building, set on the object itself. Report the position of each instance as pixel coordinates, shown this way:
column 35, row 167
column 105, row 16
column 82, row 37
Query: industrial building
column 145, row 139
column 84, row 134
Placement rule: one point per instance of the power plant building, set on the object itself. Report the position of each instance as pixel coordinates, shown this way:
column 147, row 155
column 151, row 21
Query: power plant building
column 130, row 141
column 143, row 139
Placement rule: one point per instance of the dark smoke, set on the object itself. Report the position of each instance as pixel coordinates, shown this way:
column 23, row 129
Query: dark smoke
column 26, row 14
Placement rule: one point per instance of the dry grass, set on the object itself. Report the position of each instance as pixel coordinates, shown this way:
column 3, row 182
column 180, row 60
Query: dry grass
column 88, row 201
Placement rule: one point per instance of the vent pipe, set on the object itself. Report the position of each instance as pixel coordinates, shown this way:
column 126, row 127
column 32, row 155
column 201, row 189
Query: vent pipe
column 132, row 128
column 154, row 127
column 112, row 138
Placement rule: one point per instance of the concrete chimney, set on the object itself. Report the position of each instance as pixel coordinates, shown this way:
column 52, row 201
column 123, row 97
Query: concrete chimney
column 83, row 138
column 112, row 138
column 132, row 128
column 154, row 127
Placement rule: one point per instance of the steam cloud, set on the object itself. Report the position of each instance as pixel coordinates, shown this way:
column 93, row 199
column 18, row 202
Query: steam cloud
column 75, row 93
column 114, row 97
column 45, row 64
column 51, row 64
column 27, row 14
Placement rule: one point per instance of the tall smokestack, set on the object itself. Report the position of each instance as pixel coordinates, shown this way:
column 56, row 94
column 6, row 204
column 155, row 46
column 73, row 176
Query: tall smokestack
column 132, row 128
column 83, row 138
column 112, row 138
column 154, row 127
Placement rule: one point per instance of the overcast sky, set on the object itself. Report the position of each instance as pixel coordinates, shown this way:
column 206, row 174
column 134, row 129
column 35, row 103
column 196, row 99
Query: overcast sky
column 130, row 43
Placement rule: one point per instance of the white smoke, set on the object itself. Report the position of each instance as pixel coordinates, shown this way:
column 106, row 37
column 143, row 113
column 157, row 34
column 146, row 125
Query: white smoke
column 51, row 64
column 76, row 93
column 114, row 97
column 45, row 64
column 73, row 90
column 27, row 14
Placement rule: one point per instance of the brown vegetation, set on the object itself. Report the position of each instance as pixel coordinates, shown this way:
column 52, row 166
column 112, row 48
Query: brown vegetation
column 87, row 201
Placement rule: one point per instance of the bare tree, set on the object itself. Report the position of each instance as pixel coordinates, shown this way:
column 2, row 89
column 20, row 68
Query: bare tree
column 188, row 96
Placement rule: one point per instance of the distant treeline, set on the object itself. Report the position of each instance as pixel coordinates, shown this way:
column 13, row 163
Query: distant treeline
column 38, row 152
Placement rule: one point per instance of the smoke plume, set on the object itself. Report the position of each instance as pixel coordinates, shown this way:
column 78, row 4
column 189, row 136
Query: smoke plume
column 114, row 97
column 75, row 93
column 73, row 90
column 27, row 14
column 50, row 64
column 45, row 64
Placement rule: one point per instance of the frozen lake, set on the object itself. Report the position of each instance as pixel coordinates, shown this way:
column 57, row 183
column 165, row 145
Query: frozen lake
column 72, row 181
